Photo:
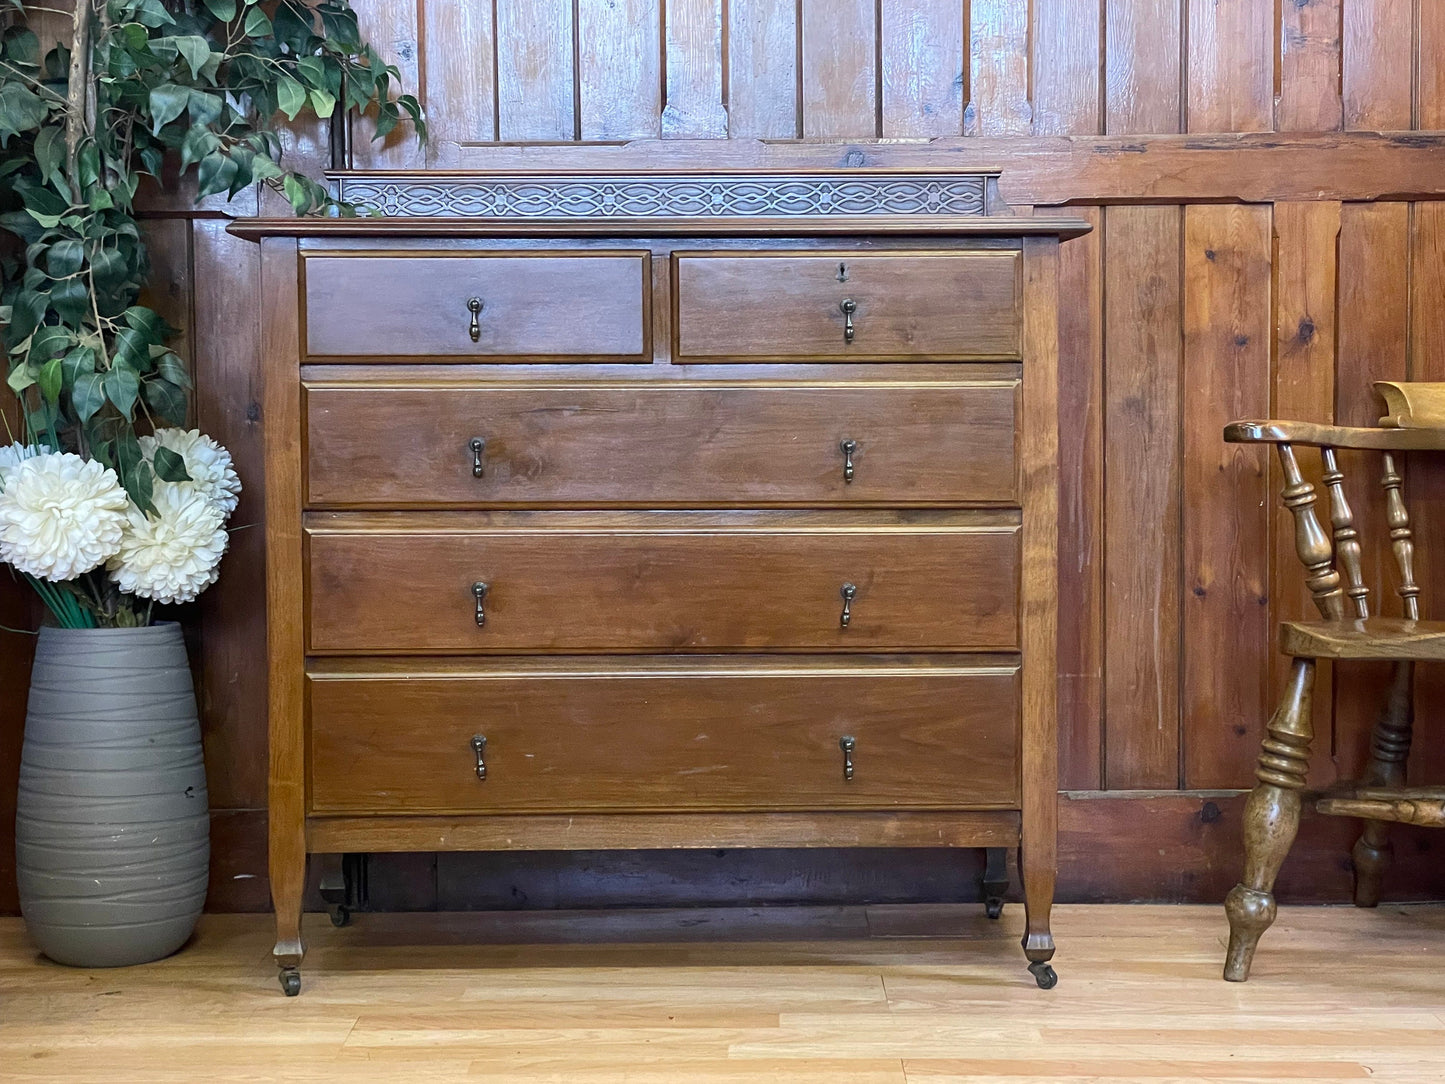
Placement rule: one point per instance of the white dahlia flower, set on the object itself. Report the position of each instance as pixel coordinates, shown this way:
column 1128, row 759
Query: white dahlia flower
column 208, row 464
column 175, row 554
column 12, row 455
column 60, row 515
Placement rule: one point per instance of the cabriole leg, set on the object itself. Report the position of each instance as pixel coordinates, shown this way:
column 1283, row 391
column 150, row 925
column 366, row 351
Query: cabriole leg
column 288, row 881
column 1271, row 819
column 1389, row 750
column 1038, row 875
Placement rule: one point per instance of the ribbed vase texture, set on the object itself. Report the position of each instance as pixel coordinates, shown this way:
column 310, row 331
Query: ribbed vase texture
column 112, row 831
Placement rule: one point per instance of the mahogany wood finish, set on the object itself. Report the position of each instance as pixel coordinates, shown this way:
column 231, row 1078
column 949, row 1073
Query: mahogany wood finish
column 594, row 654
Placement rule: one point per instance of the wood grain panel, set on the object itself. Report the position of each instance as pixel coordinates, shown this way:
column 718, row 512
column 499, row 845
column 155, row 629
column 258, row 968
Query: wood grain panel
column 762, row 67
column 1306, row 236
column 460, row 87
column 695, row 64
column 390, row 446
column 922, row 62
column 1142, row 420
column 1226, row 511
column 1309, row 61
column 839, row 75
column 711, row 740
column 1081, row 504
column 535, row 70
column 740, row 581
column 1065, row 67
column 619, row 74
column 1231, row 66
column 998, row 44
column 392, row 28
column 1374, row 322
column 1378, row 41
column 1143, row 77
column 1430, row 95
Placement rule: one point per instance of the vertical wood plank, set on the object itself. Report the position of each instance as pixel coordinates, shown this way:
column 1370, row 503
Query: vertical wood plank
column 168, row 289
column 1231, row 66
column 1309, row 55
column 1143, row 71
column 619, row 81
column 1142, row 485
column 840, row 95
column 998, row 53
column 1081, row 505
column 1227, row 637
column 535, row 70
column 1305, row 236
column 1066, row 45
column 231, row 678
column 1430, row 94
column 763, row 69
column 922, row 42
column 694, row 107
column 1377, row 71
column 1373, row 330
column 461, row 78
column 393, row 29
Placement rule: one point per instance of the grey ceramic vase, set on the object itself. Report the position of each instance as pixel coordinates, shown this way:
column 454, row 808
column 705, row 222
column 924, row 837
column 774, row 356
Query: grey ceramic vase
column 112, row 831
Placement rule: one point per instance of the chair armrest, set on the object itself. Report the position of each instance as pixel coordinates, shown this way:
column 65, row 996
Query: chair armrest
column 1412, row 404
column 1313, row 434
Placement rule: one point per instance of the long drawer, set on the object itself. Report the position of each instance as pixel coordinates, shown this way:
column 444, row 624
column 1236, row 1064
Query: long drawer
column 847, row 306
column 653, row 737
column 524, row 582
column 466, row 307
column 450, row 443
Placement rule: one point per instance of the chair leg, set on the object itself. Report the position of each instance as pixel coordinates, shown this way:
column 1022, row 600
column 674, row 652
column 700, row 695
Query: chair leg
column 1389, row 750
column 1271, row 819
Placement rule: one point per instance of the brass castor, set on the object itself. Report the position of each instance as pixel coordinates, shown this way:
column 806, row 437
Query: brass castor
column 993, row 906
column 340, row 915
column 1044, row 975
column 291, row 981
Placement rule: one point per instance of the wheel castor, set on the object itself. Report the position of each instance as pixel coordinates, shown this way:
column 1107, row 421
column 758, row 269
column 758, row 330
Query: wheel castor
column 340, row 915
column 993, row 906
column 1044, row 975
column 291, row 982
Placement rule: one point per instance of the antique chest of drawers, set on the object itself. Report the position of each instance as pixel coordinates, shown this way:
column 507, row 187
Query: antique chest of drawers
column 662, row 510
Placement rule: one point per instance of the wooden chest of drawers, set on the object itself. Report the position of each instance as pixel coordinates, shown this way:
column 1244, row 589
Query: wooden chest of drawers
column 726, row 521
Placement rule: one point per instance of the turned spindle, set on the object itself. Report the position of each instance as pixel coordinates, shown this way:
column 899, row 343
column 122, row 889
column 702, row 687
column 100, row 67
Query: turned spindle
column 1401, row 540
column 1347, row 538
column 1310, row 541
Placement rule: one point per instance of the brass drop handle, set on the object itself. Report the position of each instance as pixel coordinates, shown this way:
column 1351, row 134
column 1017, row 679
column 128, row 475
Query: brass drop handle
column 479, row 592
column 848, row 447
column 474, row 306
column 847, row 744
column 478, row 446
column 849, row 593
column 849, row 307
column 479, row 746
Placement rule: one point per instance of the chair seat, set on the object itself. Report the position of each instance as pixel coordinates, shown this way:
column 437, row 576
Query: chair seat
column 1372, row 638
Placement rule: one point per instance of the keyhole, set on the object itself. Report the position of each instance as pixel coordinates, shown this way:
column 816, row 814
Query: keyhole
column 842, row 272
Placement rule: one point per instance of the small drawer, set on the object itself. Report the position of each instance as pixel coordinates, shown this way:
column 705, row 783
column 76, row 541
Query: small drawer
column 650, row 582
column 446, row 444
column 649, row 737
column 463, row 307
column 848, row 306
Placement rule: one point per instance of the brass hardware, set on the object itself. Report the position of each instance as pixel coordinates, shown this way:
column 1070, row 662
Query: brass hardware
column 479, row 746
column 849, row 593
column 474, row 306
column 848, row 447
column 847, row 745
column 479, row 592
column 842, row 272
column 849, row 307
column 478, row 446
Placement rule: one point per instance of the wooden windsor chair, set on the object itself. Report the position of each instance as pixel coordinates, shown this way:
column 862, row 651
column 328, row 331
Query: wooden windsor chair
column 1415, row 421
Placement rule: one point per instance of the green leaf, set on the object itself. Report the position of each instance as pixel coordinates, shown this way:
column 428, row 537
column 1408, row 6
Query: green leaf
column 172, row 368
column 225, row 10
column 196, row 50
column 205, row 107
column 258, row 24
column 132, row 350
column 167, row 102
column 153, row 13
column 88, row 395
column 216, row 174
column 199, row 142
column 21, row 377
column 21, row 109
column 49, row 342
column 49, row 380
column 65, row 257
column 50, row 150
column 76, row 365
column 121, row 387
column 170, row 466
column 109, row 268
column 22, row 47
column 166, row 400
column 322, row 102
column 71, row 299
column 147, row 320
column 290, row 96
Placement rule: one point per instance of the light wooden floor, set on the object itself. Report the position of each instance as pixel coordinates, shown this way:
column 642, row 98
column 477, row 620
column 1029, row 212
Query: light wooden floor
column 881, row 995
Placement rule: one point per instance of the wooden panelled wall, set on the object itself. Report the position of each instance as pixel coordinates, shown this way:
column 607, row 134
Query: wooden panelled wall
column 1229, row 275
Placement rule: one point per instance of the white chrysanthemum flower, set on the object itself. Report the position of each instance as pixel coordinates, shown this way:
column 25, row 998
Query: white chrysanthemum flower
column 60, row 515
column 208, row 464
column 175, row 554
column 12, row 455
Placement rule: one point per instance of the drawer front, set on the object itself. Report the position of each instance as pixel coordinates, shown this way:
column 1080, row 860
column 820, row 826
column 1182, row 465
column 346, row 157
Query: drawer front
column 929, row 307
column 569, row 307
column 651, row 446
column 619, row 587
column 632, row 741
